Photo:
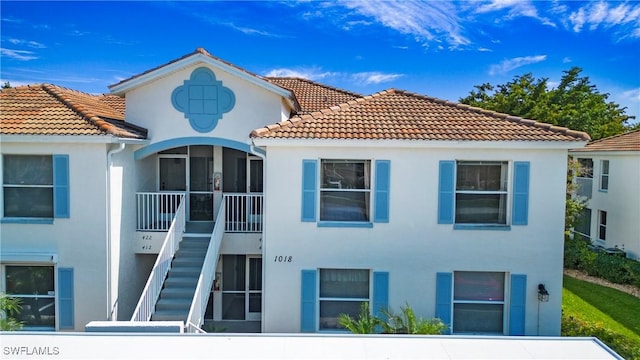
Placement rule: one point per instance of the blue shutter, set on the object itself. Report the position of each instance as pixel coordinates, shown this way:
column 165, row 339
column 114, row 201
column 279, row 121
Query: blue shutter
column 309, row 188
column 446, row 192
column 380, row 293
column 383, row 174
column 61, row 186
column 518, row 304
column 443, row 299
column 520, row 193
column 65, row 298
column 308, row 298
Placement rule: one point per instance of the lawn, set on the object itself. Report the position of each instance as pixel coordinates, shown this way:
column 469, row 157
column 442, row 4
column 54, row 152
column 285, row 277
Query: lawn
column 608, row 314
column 615, row 309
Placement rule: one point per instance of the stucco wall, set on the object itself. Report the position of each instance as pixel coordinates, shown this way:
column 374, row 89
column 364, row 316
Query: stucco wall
column 621, row 201
column 79, row 241
column 412, row 247
column 150, row 106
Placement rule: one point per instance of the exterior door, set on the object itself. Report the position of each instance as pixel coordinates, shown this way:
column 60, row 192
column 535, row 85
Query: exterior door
column 189, row 170
column 200, row 183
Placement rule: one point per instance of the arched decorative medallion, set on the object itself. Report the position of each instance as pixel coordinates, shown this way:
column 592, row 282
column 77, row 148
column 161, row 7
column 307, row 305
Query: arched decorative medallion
column 203, row 100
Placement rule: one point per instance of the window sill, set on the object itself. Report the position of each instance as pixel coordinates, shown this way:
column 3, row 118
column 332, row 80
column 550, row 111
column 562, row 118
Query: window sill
column 345, row 224
column 603, row 190
column 481, row 227
column 26, row 221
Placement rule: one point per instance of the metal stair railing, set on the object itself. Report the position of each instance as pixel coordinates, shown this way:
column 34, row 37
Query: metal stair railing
column 203, row 289
column 161, row 268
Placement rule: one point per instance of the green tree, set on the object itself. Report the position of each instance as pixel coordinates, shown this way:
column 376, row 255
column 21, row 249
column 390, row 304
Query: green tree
column 9, row 308
column 6, row 85
column 575, row 103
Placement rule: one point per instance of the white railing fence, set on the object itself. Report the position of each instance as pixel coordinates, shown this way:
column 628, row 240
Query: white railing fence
column 156, row 210
column 205, row 281
column 243, row 212
column 152, row 289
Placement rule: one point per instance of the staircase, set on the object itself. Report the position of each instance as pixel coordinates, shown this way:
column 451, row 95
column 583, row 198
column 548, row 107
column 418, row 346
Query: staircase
column 180, row 285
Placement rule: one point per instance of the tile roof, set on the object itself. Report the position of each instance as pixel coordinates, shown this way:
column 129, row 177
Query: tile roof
column 45, row 109
column 629, row 141
column 313, row 96
column 395, row 114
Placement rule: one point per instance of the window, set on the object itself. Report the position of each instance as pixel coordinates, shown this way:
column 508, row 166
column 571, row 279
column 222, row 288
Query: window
column 35, row 186
column 586, row 168
column 602, row 231
column 345, row 189
column 342, row 291
column 478, row 302
column 28, row 186
column 583, row 223
column 481, row 192
column 34, row 286
column 241, row 287
column 604, row 175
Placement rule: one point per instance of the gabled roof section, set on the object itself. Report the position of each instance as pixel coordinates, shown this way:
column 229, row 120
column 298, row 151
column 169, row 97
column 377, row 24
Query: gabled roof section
column 313, row 96
column 395, row 114
column 629, row 141
column 45, row 109
column 200, row 55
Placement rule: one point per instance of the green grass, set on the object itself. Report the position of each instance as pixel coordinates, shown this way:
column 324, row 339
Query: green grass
column 615, row 309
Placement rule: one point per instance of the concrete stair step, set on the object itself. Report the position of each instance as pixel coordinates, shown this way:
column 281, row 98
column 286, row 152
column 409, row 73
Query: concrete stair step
column 170, row 315
column 177, row 292
column 182, row 304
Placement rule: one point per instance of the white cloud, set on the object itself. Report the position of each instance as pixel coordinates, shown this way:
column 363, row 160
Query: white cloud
column 512, row 64
column 374, row 77
column 32, row 44
column 310, row 74
column 431, row 21
column 623, row 18
column 514, row 9
column 633, row 95
column 567, row 60
column 22, row 55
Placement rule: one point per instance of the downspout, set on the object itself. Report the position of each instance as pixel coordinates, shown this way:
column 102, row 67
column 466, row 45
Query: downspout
column 110, row 153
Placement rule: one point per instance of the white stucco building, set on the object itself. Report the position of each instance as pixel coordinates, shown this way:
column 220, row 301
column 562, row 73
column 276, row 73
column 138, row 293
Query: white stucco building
column 610, row 182
column 202, row 193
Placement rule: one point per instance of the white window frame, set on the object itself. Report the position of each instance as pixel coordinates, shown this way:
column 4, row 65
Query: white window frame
column 5, row 186
column 506, row 170
column 366, row 190
column 602, row 225
column 50, row 295
column 341, row 299
column 502, row 302
column 604, row 175
column 588, row 236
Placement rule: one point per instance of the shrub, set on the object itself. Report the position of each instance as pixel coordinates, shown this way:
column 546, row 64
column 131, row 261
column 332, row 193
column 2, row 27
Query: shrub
column 404, row 323
column 9, row 308
column 365, row 323
column 578, row 255
column 408, row 323
column 626, row 347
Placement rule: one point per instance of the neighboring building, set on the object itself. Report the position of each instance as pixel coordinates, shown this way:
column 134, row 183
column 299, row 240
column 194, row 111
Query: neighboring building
column 609, row 180
column 279, row 204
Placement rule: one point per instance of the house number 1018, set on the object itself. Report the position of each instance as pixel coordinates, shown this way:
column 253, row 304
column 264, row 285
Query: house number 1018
column 281, row 258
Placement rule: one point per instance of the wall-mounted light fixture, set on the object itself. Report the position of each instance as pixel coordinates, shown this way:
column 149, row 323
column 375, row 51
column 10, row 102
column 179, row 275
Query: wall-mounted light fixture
column 543, row 294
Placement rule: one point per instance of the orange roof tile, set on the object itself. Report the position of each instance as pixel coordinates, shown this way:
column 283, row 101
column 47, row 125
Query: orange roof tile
column 313, row 96
column 52, row 110
column 394, row 114
column 629, row 141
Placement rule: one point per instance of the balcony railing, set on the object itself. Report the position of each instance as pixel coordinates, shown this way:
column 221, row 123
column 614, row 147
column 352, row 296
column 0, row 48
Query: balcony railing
column 243, row 212
column 156, row 210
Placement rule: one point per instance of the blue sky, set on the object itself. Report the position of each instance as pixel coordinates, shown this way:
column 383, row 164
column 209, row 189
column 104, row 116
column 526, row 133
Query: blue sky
column 436, row 48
